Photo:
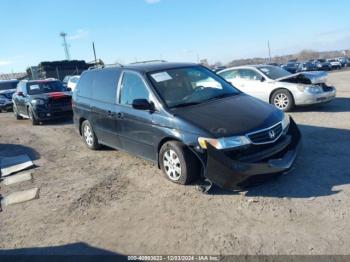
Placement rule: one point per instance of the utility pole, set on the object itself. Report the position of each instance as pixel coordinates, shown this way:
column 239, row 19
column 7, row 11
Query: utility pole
column 65, row 45
column 268, row 46
column 93, row 48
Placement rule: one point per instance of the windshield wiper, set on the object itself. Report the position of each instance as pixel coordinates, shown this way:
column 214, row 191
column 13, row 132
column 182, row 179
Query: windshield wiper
column 221, row 96
column 185, row 104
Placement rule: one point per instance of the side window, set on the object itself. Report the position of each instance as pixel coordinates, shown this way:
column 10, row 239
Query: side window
column 104, row 86
column 249, row 74
column 230, row 74
column 132, row 88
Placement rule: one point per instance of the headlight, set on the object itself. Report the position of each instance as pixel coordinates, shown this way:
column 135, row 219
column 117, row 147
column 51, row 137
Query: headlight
column 38, row 102
column 310, row 89
column 223, row 143
column 313, row 89
column 285, row 122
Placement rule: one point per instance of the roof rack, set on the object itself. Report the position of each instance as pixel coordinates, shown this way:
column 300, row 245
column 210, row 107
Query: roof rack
column 104, row 66
column 148, row 61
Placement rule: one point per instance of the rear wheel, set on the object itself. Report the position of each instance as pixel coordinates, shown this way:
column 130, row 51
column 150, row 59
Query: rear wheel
column 32, row 117
column 178, row 163
column 89, row 136
column 15, row 112
column 282, row 99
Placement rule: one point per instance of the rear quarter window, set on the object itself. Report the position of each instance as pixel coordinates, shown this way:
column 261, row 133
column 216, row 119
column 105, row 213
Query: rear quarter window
column 104, row 86
column 84, row 87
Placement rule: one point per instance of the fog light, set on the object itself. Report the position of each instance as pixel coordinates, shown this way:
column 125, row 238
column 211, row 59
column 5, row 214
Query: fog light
column 48, row 114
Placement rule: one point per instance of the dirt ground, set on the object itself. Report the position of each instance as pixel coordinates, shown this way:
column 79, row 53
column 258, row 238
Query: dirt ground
column 114, row 201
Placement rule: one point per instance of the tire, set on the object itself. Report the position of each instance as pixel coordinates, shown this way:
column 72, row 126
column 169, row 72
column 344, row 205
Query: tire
column 15, row 112
column 178, row 163
column 89, row 136
column 283, row 100
column 32, row 117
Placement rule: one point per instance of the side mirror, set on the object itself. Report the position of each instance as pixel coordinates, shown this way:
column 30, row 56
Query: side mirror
column 142, row 104
column 262, row 79
column 69, row 89
column 20, row 94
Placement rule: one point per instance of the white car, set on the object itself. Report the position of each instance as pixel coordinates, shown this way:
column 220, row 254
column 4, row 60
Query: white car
column 72, row 82
column 277, row 86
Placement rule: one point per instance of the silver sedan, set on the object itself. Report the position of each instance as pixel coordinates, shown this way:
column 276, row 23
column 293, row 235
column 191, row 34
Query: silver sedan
column 275, row 85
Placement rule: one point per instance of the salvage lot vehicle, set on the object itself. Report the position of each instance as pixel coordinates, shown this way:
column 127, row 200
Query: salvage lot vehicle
column 335, row 64
column 291, row 67
column 162, row 112
column 71, row 81
column 5, row 103
column 41, row 100
column 7, row 88
column 279, row 87
column 307, row 66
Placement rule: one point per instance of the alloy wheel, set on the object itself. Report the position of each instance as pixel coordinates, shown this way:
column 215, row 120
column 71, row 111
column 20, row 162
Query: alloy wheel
column 172, row 165
column 88, row 135
column 281, row 101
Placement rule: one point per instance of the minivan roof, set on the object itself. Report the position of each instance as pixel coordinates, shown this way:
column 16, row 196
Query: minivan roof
column 152, row 67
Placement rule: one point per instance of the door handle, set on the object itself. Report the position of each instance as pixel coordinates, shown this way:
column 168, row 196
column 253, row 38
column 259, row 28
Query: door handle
column 120, row 115
column 110, row 113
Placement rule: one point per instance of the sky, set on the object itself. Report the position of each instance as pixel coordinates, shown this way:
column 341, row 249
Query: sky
column 174, row 30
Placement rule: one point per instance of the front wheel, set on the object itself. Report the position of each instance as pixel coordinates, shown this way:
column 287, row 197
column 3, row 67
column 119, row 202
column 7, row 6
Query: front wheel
column 15, row 112
column 178, row 163
column 32, row 117
column 283, row 100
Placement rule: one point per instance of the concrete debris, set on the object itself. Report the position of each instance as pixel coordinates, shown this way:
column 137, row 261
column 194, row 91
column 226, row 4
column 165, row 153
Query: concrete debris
column 20, row 197
column 10, row 165
column 21, row 177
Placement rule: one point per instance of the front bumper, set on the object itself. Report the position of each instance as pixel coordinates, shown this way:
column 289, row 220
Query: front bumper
column 310, row 99
column 232, row 173
column 45, row 114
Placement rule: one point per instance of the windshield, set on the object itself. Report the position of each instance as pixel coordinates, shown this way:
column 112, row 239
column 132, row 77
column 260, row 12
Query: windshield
column 36, row 88
column 189, row 85
column 6, row 85
column 273, row 72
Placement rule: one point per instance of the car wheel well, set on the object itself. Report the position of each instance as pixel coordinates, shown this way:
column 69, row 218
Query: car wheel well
column 168, row 139
column 278, row 89
column 81, row 120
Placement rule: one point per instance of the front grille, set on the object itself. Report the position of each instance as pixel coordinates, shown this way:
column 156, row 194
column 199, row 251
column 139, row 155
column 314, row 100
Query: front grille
column 266, row 136
column 62, row 104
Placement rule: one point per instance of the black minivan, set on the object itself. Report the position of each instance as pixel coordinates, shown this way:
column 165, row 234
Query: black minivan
column 187, row 120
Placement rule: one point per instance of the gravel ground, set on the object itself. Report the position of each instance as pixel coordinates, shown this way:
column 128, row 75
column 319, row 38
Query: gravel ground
column 114, row 201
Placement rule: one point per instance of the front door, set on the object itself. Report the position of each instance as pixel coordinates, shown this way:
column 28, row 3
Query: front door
column 137, row 131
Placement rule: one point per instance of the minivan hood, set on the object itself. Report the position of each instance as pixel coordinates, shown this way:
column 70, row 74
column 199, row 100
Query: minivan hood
column 236, row 115
column 317, row 77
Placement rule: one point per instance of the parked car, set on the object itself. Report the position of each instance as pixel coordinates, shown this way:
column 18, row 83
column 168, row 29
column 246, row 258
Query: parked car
column 335, row 64
column 7, row 88
column 72, row 82
column 161, row 112
column 276, row 86
column 307, row 66
column 218, row 68
column 5, row 103
column 291, row 67
column 322, row 64
column 42, row 100
column 344, row 61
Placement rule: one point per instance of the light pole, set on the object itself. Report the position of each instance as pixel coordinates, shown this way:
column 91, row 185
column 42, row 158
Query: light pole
column 65, row 45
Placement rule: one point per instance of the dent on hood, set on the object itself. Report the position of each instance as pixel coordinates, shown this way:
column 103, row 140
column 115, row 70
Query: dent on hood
column 307, row 78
